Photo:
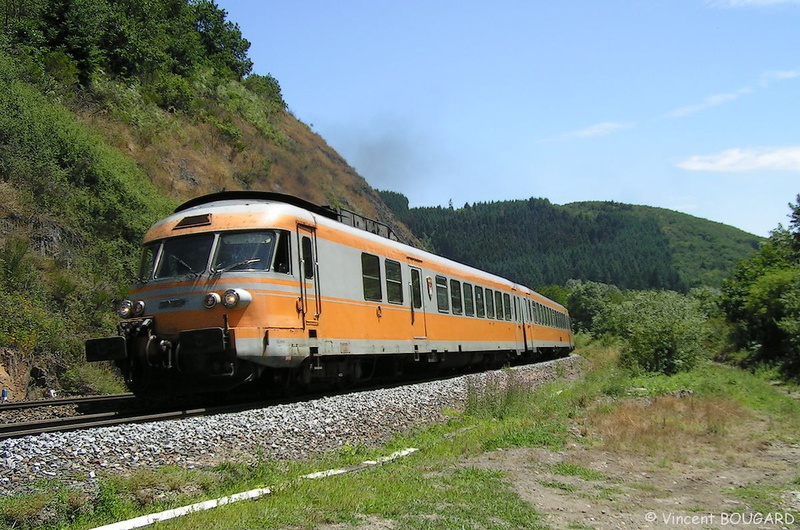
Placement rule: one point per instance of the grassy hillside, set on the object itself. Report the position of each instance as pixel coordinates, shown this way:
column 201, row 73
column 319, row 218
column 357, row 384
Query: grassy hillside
column 538, row 243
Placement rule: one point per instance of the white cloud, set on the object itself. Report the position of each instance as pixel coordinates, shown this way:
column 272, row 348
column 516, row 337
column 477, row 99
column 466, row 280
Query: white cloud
column 768, row 78
column 598, row 129
column 710, row 101
column 743, row 160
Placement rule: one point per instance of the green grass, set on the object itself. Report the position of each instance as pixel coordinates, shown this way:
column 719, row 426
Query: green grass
column 573, row 470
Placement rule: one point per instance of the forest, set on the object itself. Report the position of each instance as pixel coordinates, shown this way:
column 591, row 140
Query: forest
column 537, row 243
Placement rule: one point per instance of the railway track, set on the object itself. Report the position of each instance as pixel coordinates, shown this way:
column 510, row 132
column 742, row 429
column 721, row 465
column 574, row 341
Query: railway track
column 81, row 400
column 107, row 419
column 130, row 409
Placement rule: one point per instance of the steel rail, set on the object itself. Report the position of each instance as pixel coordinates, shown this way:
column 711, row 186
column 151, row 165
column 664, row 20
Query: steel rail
column 79, row 400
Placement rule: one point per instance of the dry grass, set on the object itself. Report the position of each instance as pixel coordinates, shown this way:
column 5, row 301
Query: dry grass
column 666, row 426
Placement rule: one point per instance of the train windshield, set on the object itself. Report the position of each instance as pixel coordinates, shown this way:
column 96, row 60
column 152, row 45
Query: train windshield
column 183, row 255
column 239, row 251
column 219, row 252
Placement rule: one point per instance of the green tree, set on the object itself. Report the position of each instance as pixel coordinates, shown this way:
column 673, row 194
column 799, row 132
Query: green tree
column 762, row 300
column 587, row 300
column 222, row 39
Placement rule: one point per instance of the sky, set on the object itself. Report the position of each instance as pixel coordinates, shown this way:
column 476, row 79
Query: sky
column 690, row 105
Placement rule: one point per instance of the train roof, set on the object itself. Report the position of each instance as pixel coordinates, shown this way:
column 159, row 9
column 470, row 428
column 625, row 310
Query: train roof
column 343, row 215
column 350, row 220
column 325, row 211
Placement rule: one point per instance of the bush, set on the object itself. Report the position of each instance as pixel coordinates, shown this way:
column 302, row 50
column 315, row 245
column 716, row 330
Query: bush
column 663, row 331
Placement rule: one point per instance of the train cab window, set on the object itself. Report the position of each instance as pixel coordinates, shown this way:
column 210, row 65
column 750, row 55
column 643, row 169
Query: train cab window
column 184, row 255
column 489, row 304
column 455, row 296
column 371, row 276
column 394, row 282
column 498, row 304
column 469, row 308
column 442, row 301
column 243, row 251
column 479, row 310
column 147, row 262
column 283, row 256
column 308, row 258
column 416, row 289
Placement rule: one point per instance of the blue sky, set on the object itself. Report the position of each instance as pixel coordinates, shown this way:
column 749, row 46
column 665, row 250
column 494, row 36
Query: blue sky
column 690, row 105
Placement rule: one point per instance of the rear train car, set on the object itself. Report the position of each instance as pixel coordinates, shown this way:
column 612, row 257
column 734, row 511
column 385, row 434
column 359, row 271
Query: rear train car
column 258, row 288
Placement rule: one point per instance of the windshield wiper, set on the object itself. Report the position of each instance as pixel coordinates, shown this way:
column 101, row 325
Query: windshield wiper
column 181, row 262
column 235, row 265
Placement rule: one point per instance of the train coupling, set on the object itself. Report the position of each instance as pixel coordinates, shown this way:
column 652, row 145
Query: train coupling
column 116, row 348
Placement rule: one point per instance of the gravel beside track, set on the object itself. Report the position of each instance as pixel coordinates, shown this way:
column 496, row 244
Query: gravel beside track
column 292, row 431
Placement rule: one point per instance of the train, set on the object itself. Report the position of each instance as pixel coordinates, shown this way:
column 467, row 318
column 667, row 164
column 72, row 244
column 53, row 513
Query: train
column 269, row 291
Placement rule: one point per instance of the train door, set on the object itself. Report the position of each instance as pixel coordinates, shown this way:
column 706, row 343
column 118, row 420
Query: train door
column 309, row 302
column 519, row 310
column 419, row 330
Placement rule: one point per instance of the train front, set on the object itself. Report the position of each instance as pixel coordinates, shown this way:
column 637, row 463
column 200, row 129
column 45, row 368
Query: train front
column 190, row 319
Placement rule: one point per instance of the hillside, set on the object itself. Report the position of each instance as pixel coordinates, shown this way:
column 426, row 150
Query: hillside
column 537, row 243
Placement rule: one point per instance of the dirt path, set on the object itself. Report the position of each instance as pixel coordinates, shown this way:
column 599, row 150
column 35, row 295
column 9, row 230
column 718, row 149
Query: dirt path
column 621, row 490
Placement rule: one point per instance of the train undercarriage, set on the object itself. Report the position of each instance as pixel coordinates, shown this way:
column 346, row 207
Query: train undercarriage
column 205, row 361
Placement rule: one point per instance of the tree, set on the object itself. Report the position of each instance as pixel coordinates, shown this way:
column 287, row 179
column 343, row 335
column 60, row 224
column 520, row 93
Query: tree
column 222, row 39
column 587, row 300
column 762, row 300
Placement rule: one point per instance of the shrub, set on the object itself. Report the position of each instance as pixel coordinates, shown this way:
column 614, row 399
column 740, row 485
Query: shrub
column 663, row 331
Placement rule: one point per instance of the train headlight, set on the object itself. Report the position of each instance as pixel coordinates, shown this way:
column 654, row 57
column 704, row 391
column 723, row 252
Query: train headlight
column 138, row 308
column 125, row 309
column 236, row 298
column 211, row 300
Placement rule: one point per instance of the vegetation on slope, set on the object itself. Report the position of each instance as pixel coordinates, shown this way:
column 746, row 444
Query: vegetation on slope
column 537, row 243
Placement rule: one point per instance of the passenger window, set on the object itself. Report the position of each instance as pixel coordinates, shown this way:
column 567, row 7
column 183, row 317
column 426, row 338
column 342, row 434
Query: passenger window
column 498, row 304
column 416, row 289
column 283, row 257
column 507, row 306
column 308, row 258
column 489, row 304
column 479, row 302
column 394, row 282
column 455, row 296
column 371, row 276
column 441, row 294
column 469, row 308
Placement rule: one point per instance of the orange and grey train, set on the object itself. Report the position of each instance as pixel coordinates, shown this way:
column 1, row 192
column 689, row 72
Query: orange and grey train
column 239, row 288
